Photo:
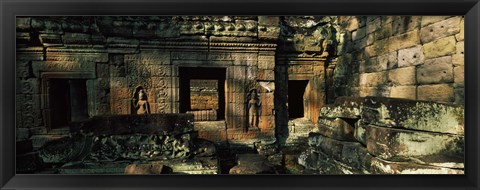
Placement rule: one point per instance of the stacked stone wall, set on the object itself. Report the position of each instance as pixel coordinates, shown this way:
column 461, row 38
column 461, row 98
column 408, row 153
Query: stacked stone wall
column 413, row 57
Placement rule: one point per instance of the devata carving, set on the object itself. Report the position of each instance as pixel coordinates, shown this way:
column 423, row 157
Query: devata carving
column 139, row 101
column 254, row 104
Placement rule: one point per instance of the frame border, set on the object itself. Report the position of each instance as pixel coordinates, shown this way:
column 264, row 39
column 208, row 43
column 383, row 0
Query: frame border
column 10, row 8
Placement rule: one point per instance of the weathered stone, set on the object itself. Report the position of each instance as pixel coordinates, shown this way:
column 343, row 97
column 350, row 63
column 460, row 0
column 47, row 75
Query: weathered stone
column 440, row 29
column 144, row 169
column 402, row 76
column 426, row 20
column 373, row 79
column 252, row 164
column 459, row 76
column 389, row 59
column 77, row 38
column 360, row 132
column 384, row 32
column 380, row 166
column 374, row 25
column 436, row 92
column 438, row 70
column 407, row 92
column 414, row 115
column 359, row 33
column 336, row 128
column 51, row 40
column 414, row 146
column 356, row 156
column 440, row 47
column 458, row 58
column 461, row 35
column 402, row 24
column 322, row 163
column 344, row 107
column 411, row 56
column 372, row 65
column 403, row 41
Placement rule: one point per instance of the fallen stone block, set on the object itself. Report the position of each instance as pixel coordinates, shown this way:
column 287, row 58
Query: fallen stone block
column 414, row 115
column 337, row 128
column 380, row 166
column 414, row 146
column 344, row 107
column 252, row 164
column 144, row 169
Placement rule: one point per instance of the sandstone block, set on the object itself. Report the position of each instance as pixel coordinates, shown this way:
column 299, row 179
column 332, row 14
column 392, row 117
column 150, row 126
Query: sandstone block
column 411, row 56
column 402, row 76
column 373, row 79
column 359, row 33
column 414, row 146
column 402, row 24
column 403, row 41
column 438, row 70
column 407, row 92
column 440, row 47
column 372, row 65
column 426, row 20
column 389, row 59
column 374, row 25
column 252, row 164
column 144, row 169
column 440, row 29
column 337, row 128
column 436, row 92
column 461, row 35
column 380, row 166
column 384, row 32
column 414, row 115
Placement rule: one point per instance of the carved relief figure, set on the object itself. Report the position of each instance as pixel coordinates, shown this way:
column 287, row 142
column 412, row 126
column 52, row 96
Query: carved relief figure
column 254, row 104
column 139, row 101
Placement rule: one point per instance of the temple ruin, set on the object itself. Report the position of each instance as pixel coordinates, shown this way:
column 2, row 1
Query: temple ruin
column 240, row 94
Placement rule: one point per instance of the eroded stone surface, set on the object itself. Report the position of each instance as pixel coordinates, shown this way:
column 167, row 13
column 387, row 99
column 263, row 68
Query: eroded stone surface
column 414, row 146
column 415, row 115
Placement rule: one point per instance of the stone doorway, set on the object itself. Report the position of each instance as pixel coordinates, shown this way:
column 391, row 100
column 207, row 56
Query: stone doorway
column 202, row 91
column 296, row 98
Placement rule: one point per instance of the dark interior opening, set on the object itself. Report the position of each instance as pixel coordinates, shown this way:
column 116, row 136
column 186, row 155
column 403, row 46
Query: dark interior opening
column 68, row 101
column 296, row 91
column 207, row 73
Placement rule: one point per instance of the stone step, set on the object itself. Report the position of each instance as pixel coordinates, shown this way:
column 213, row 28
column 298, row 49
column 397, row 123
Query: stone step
column 417, row 146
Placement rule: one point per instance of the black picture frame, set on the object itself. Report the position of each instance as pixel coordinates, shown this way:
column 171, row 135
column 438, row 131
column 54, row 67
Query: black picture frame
column 9, row 9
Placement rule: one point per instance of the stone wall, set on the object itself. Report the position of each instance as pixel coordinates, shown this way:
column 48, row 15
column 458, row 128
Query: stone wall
column 204, row 94
column 413, row 57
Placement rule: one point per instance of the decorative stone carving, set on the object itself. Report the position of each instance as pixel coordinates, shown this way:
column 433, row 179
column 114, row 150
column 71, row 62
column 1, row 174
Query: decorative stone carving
column 254, row 104
column 139, row 101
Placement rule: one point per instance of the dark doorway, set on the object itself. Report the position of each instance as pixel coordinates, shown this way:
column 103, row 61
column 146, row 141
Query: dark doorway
column 296, row 91
column 187, row 74
column 68, row 101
